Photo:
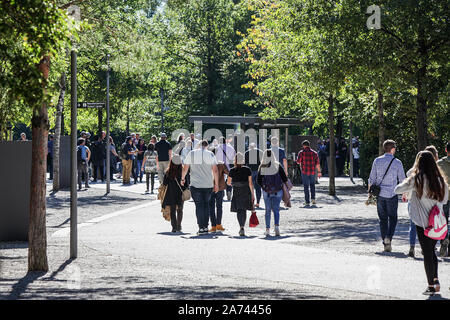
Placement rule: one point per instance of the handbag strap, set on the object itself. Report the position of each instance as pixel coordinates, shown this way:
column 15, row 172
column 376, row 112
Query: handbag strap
column 178, row 185
column 387, row 169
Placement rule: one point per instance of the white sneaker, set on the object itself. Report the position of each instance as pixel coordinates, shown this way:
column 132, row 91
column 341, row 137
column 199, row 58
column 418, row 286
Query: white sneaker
column 241, row 232
column 267, row 233
column 277, row 231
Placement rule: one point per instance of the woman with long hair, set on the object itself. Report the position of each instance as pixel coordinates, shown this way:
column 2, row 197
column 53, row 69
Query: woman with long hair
column 427, row 188
column 271, row 177
column 174, row 193
column 150, row 165
column 240, row 177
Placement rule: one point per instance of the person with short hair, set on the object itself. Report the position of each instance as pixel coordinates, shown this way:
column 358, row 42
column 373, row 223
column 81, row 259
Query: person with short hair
column 203, row 180
column 127, row 164
column 83, row 156
column 308, row 160
column 428, row 188
column 279, row 153
column 98, row 157
column 141, row 148
column 387, row 172
column 164, row 151
column 216, row 201
column 23, row 137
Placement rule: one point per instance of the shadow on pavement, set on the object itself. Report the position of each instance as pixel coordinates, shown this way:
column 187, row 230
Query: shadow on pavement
column 272, row 238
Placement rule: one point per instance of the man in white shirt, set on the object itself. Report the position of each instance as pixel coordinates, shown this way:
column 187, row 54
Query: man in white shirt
column 225, row 153
column 204, row 178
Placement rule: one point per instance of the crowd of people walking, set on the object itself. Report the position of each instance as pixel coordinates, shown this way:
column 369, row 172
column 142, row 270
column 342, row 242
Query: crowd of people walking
column 209, row 171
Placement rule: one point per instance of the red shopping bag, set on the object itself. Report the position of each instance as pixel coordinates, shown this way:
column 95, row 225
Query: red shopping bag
column 253, row 220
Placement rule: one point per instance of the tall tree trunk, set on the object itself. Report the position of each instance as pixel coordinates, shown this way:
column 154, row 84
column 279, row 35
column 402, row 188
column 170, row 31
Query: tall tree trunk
column 58, row 122
column 37, row 235
column 421, row 101
column 381, row 123
column 332, row 163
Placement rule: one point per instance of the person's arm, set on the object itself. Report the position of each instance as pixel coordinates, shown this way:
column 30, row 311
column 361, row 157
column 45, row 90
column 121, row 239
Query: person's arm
column 216, row 178
column 283, row 175
column 404, row 187
column 229, row 180
column 319, row 172
column 88, row 154
column 373, row 174
column 259, row 178
column 285, row 164
column 183, row 173
column 143, row 163
column 250, row 183
column 170, row 154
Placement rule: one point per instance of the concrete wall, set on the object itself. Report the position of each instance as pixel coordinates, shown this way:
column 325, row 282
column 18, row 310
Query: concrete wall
column 15, row 175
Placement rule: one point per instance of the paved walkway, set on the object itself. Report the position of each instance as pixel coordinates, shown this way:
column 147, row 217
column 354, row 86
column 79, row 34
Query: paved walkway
column 328, row 252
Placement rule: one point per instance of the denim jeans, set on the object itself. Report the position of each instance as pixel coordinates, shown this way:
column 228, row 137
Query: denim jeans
column 272, row 203
column 201, row 197
column 139, row 173
column 412, row 230
column 387, row 214
column 216, row 202
column 256, row 186
column 309, row 183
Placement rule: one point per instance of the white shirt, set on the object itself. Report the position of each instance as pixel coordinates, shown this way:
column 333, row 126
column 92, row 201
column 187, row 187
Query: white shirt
column 201, row 162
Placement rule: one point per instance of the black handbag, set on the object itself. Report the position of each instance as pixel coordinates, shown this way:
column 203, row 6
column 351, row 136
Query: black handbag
column 376, row 189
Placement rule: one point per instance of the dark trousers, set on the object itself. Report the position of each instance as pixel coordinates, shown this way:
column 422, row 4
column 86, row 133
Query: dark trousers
column 309, row 183
column 201, row 197
column 387, row 214
column 242, row 217
column 256, row 186
column 83, row 173
column 98, row 166
column 176, row 216
column 323, row 164
column 150, row 177
column 355, row 167
column 216, row 203
column 429, row 256
column 50, row 165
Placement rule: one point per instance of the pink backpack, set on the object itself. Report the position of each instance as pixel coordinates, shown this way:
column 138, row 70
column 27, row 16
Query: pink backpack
column 437, row 229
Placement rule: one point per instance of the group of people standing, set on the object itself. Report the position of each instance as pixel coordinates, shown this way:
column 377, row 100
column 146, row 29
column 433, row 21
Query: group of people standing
column 424, row 187
column 342, row 156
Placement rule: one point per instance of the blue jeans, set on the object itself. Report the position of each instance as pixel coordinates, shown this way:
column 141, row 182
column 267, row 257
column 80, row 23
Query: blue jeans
column 216, row 201
column 139, row 173
column 309, row 183
column 412, row 230
column 272, row 203
column 387, row 214
column 201, row 197
column 256, row 186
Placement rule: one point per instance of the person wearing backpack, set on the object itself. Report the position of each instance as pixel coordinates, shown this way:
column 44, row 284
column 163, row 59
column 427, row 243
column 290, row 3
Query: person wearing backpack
column 386, row 173
column 428, row 189
column 271, row 177
column 240, row 177
column 83, row 156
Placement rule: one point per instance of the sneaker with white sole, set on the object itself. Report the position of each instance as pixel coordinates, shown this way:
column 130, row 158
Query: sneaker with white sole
column 241, row 232
column 267, row 233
